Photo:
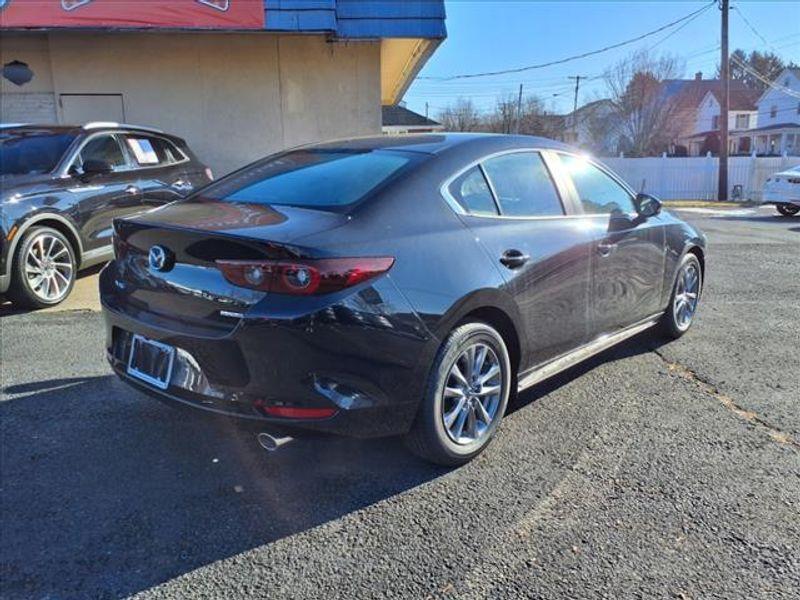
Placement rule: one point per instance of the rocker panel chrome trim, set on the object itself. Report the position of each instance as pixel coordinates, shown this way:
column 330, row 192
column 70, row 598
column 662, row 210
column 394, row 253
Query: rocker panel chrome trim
column 565, row 361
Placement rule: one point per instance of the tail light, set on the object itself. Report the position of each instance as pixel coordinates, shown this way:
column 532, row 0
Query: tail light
column 303, row 277
column 295, row 412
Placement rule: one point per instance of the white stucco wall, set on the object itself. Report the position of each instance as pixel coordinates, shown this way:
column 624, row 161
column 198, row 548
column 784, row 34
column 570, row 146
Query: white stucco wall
column 786, row 105
column 234, row 97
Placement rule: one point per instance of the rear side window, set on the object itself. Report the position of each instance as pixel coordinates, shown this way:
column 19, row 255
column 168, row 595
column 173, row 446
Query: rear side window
column 472, row 192
column 312, row 178
column 599, row 193
column 152, row 151
column 523, row 185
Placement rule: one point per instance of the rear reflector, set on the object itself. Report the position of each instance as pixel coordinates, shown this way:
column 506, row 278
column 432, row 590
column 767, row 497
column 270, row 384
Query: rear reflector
column 303, row 277
column 291, row 412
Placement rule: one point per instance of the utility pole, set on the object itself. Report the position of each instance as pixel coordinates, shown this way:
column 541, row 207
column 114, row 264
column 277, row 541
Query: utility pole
column 577, row 79
column 519, row 109
column 722, row 187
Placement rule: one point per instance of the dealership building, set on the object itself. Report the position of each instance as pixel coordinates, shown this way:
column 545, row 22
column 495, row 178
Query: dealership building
column 237, row 78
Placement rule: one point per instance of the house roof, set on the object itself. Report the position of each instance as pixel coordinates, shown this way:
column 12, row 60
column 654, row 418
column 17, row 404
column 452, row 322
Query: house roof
column 794, row 70
column 402, row 116
column 690, row 93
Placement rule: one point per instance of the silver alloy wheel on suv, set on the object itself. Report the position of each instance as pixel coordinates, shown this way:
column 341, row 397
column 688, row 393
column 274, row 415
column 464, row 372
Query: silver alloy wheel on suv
column 44, row 269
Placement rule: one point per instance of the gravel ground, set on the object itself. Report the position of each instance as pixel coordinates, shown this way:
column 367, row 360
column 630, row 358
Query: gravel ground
column 669, row 471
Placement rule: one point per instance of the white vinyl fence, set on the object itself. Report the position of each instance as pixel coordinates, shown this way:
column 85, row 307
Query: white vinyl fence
column 695, row 178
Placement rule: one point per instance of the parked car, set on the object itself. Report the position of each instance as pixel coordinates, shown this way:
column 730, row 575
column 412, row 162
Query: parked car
column 783, row 190
column 60, row 189
column 384, row 286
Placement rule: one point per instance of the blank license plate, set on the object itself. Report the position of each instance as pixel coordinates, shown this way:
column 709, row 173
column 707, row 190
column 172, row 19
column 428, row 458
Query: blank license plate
column 151, row 361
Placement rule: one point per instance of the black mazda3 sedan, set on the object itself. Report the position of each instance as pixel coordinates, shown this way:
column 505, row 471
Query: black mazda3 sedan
column 384, row 286
column 61, row 186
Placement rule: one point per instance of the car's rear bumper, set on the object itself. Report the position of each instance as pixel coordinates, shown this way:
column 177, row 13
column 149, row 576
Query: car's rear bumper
column 367, row 366
column 772, row 197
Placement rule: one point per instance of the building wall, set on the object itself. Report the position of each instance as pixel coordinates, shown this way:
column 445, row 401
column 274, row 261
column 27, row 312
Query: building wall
column 234, row 97
column 710, row 108
column 787, row 107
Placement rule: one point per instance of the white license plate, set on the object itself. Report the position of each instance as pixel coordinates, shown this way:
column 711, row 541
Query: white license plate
column 151, row 361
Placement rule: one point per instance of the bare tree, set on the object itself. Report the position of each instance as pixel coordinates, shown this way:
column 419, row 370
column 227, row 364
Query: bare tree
column 646, row 115
column 461, row 116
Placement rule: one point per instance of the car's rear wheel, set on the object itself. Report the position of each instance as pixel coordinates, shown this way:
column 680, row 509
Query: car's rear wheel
column 44, row 269
column 466, row 396
column 680, row 313
column 788, row 210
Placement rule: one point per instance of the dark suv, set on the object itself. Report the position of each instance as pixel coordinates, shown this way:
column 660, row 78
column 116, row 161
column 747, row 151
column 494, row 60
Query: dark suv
column 60, row 189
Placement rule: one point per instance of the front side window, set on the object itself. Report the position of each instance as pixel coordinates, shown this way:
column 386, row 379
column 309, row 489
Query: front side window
column 28, row 152
column 104, row 148
column 599, row 193
column 523, row 185
column 312, row 178
column 472, row 192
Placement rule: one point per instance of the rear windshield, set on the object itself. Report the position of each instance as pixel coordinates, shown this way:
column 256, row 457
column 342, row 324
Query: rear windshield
column 312, row 178
column 23, row 153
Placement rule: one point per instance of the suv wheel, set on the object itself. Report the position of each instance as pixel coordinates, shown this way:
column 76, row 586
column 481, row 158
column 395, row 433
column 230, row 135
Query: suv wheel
column 788, row 210
column 44, row 269
column 466, row 396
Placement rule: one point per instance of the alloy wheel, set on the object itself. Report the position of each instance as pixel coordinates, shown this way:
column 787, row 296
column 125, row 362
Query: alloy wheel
column 472, row 393
column 48, row 268
column 687, row 293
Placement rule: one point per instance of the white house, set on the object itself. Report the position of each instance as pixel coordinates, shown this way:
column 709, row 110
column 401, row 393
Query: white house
column 742, row 115
column 778, row 126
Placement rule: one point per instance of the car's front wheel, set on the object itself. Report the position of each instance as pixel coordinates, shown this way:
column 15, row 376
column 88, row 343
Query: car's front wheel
column 466, row 396
column 44, row 269
column 686, row 290
column 788, row 210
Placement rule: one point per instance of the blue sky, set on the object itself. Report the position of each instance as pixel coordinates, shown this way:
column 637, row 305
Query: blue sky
column 492, row 35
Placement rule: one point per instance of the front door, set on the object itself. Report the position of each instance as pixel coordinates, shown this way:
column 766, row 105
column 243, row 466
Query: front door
column 628, row 255
column 515, row 210
column 102, row 198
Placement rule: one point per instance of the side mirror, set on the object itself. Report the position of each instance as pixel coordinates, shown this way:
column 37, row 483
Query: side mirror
column 647, row 205
column 93, row 167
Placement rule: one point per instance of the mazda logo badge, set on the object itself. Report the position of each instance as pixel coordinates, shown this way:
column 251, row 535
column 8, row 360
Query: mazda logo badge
column 157, row 257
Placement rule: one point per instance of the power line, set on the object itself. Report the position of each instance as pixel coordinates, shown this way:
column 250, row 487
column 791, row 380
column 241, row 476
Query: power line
column 763, row 79
column 576, row 57
column 752, row 28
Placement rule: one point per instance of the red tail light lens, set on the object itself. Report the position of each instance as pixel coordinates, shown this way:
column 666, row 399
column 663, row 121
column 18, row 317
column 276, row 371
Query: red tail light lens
column 305, row 277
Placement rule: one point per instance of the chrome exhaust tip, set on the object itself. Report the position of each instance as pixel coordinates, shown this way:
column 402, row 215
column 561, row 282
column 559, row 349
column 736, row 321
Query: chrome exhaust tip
column 271, row 443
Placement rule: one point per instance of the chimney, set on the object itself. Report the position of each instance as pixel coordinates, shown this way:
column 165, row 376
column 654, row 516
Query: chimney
column 698, row 76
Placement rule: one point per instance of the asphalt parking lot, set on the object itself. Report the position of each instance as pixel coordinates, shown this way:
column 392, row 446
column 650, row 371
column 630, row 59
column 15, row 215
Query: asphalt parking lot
column 655, row 470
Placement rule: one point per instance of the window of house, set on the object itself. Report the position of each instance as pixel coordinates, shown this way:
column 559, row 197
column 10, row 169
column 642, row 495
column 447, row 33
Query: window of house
column 472, row 192
column 798, row 108
column 715, row 122
column 773, row 111
column 599, row 193
column 742, row 121
column 523, row 185
column 104, row 148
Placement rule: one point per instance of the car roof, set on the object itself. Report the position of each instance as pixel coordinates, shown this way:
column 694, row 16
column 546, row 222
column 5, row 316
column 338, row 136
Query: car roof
column 437, row 143
column 78, row 129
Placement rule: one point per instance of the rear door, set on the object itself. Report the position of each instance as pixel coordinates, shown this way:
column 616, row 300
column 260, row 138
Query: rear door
column 515, row 208
column 629, row 252
column 102, row 198
column 159, row 169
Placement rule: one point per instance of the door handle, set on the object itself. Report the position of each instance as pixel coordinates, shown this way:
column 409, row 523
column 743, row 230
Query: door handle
column 132, row 190
column 606, row 248
column 182, row 186
column 513, row 259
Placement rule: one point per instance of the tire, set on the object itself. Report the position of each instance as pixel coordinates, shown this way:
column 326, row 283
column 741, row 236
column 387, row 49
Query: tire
column 59, row 269
column 430, row 438
column 788, row 210
column 676, row 320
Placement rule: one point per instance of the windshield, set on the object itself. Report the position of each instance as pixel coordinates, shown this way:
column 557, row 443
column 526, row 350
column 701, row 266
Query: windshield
column 311, row 178
column 23, row 153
